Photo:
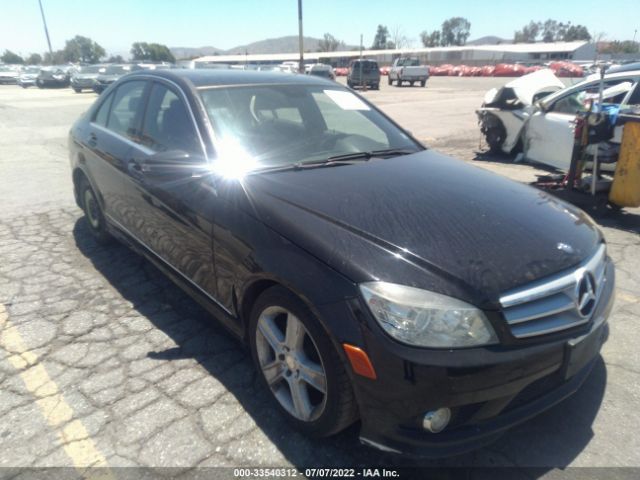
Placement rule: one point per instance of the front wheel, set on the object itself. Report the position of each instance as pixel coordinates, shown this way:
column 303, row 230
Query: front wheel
column 389, row 81
column 299, row 365
column 423, row 83
column 77, row 90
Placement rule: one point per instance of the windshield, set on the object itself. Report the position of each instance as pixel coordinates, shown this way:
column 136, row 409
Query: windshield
column 320, row 73
column 408, row 62
column 91, row 69
column 116, row 69
column 276, row 125
column 365, row 66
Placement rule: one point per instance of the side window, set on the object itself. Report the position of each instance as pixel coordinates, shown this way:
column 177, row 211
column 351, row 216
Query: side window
column 167, row 125
column 127, row 109
column 614, row 92
column 101, row 115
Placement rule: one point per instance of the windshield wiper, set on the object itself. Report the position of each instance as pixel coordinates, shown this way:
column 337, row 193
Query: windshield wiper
column 389, row 152
column 338, row 160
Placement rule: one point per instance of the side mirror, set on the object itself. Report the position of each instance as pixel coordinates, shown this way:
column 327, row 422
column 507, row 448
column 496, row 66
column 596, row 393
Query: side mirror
column 539, row 106
column 175, row 163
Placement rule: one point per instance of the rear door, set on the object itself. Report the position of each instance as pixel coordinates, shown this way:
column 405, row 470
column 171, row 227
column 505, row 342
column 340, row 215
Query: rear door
column 109, row 142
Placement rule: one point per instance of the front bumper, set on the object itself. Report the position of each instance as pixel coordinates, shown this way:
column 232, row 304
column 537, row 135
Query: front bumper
column 82, row 82
column 100, row 87
column 52, row 82
column 487, row 389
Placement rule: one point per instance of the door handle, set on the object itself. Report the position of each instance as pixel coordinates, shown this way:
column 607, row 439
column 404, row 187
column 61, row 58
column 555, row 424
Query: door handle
column 93, row 140
column 135, row 165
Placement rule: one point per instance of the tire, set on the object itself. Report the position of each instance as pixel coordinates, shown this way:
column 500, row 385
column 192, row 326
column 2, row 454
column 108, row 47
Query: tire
column 423, row 83
column 495, row 137
column 411, row 83
column 308, row 349
column 39, row 84
column 77, row 90
column 93, row 212
column 376, row 86
column 349, row 84
column 389, row 81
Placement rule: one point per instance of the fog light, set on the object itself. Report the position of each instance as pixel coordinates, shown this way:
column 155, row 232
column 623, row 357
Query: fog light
column 435, row 420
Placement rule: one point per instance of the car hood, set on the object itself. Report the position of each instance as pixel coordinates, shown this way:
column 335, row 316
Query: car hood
column 425, row 220
column 108, row 78
column 85, row 76
column 526, row 87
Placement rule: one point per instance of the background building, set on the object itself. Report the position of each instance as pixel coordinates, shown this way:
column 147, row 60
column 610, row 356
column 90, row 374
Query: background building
column 469, row 55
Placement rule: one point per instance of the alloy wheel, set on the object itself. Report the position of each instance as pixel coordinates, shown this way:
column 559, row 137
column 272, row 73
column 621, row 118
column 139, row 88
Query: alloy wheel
column 91, row 208
column 291, row 363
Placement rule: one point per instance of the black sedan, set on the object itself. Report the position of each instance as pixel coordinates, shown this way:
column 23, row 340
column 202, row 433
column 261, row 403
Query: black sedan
column 55, row 76
column 372, row 279
column 109, row 74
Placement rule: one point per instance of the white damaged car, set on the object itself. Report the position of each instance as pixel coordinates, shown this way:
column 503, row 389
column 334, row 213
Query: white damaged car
column 536, row 114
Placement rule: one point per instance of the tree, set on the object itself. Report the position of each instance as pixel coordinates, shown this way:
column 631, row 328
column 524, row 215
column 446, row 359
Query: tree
column 57, row 58
column 10, row 57
column 329, row 43
column 455, row 31
column 82, row 49
column 430, row 39
column 398, row 38
column 553, row 31
column 576, row 32
column 381, row 39
column 152, row 52
column 528, row 34
column 115, row 59
column 34, row 59
column 625, row 46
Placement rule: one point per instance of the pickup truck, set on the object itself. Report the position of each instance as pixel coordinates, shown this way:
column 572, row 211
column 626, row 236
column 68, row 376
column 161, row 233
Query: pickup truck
column 408, row 70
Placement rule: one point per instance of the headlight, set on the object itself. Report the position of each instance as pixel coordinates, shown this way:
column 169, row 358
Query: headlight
column 426, row 319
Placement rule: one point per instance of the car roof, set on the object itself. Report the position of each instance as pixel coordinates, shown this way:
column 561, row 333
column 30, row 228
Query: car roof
column 222, row 77
column 629, row 67
column 631, row 75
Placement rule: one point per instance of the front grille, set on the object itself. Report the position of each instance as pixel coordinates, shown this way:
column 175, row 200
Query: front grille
column 556, row 303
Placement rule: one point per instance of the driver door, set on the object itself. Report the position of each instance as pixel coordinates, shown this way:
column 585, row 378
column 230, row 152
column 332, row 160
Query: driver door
column 171, row 214
column 549, row 134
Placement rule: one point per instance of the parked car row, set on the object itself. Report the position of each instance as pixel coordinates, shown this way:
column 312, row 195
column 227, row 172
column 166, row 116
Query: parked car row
column 84, row 77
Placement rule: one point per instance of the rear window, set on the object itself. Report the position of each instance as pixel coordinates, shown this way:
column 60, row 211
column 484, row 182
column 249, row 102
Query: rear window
column 366, row 66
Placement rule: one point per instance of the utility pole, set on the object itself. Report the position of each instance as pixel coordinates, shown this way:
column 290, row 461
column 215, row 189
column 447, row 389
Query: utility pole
column 46, row 31
column 634, row 35
column 360, row 63
column 301, row 43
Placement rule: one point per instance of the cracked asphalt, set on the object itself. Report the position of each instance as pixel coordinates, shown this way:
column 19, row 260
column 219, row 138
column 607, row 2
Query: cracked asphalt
column 104, row 362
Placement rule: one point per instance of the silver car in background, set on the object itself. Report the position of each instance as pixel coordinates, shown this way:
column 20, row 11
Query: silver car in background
column 27, row 77
column 85, row 77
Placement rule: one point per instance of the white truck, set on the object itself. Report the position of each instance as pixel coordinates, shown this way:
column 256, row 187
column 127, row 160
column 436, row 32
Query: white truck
column 408, row 69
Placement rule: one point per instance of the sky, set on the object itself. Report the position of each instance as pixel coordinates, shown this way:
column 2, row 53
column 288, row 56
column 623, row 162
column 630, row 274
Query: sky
column 116, row 24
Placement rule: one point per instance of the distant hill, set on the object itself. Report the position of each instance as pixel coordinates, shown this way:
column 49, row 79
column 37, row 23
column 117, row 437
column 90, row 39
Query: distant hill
column 190, row 52
column 288, row 44
column 489, row 40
